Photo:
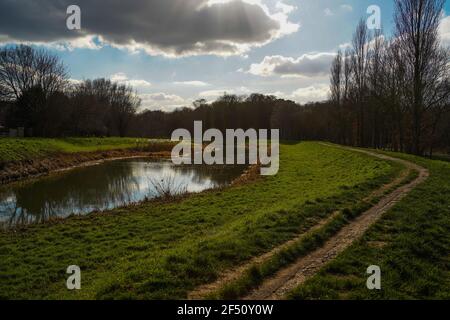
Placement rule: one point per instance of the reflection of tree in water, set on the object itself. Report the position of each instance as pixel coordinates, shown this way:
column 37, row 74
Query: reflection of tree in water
column 100, row 187
column 80, row 190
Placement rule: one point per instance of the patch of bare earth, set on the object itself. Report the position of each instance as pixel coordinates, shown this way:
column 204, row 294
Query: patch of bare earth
column 251, row 174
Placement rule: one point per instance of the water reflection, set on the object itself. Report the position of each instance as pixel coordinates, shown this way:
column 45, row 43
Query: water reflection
column 106, row 186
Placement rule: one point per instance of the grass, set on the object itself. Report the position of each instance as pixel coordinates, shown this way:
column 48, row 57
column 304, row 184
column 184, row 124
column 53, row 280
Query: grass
column 410, row 243
column 164, row 250
column 31, row 148
column 255, row 274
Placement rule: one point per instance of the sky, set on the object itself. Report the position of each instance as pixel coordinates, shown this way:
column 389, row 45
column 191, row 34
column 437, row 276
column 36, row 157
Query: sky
column 174, row 52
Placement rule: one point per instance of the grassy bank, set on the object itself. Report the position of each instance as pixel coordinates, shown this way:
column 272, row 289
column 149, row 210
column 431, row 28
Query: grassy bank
column 411, row 244
column 25, row 158
column 255, row 274
column 165, row 250
column 32, row 148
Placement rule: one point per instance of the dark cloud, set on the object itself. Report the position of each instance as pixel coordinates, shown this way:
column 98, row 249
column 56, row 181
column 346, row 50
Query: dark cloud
column 173, row 27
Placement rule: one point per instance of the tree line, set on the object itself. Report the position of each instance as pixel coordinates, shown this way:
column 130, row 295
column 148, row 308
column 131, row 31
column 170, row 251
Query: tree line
column 391, row 93
column 36, row 93
column 394, row 93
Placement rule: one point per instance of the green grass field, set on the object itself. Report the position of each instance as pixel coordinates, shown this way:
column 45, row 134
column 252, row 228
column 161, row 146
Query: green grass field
column 411, row 244
column 164, row 250
column 31, row 148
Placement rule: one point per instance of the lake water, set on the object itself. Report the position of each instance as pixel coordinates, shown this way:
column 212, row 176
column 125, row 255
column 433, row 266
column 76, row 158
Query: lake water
column 105, row 186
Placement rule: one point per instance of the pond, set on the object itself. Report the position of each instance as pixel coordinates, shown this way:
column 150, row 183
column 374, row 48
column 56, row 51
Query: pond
column 108, row 185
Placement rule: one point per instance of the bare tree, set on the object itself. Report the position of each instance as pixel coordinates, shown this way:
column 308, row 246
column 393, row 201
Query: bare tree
column 124, row 104
column 374, row 84
column 426, row 63
column 336, row 89
column 29, row 77
column 391, row 96
column 105, row 107
column 347, row 75
column 23, row 68
column 360, row 64
column 336, row 79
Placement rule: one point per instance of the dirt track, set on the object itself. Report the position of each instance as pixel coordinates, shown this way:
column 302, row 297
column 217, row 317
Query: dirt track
column 285, row 280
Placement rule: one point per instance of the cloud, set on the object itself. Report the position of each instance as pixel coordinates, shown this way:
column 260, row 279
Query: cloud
column 162, row 101
column 192, row 83
column 328, row 12
column 167, row 27
column 346, row 7
column 216, row 93
column 345, row 46
column 343, row 7
column 212, row 95
column 317, row 92
column 307, row 65
column 135, row 83
column 444, row 31
column 285, row 8
column 75, row 81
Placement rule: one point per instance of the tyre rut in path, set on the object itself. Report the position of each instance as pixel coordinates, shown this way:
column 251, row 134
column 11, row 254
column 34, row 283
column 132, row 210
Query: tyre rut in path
column 285, row 280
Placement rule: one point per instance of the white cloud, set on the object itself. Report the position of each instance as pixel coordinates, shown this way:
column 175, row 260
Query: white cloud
column 86, row 42
column 343, row 7
column 162, row 101
column 328, row 12
column 75, row 81
column 317, row 92
column 285, row 8
column 345, row 46
column 444, row 31
column 307, row 65
column 211, row 95
column 192, row 83
column 314, row 93
column 346, row 7
column 119, row 77
column 135, row 83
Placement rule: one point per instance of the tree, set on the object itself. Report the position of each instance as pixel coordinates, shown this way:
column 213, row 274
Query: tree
column 124, row 104
column 23, row 68
column 359, row 66
column 336, row 79
column 29, row 77
column 374, row 84
column 103, row 107
column 417, row 23
column 337, row 91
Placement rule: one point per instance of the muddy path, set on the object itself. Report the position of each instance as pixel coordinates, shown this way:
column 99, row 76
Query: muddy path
column 295, row 274
column 287, row 279
column 234, row 274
